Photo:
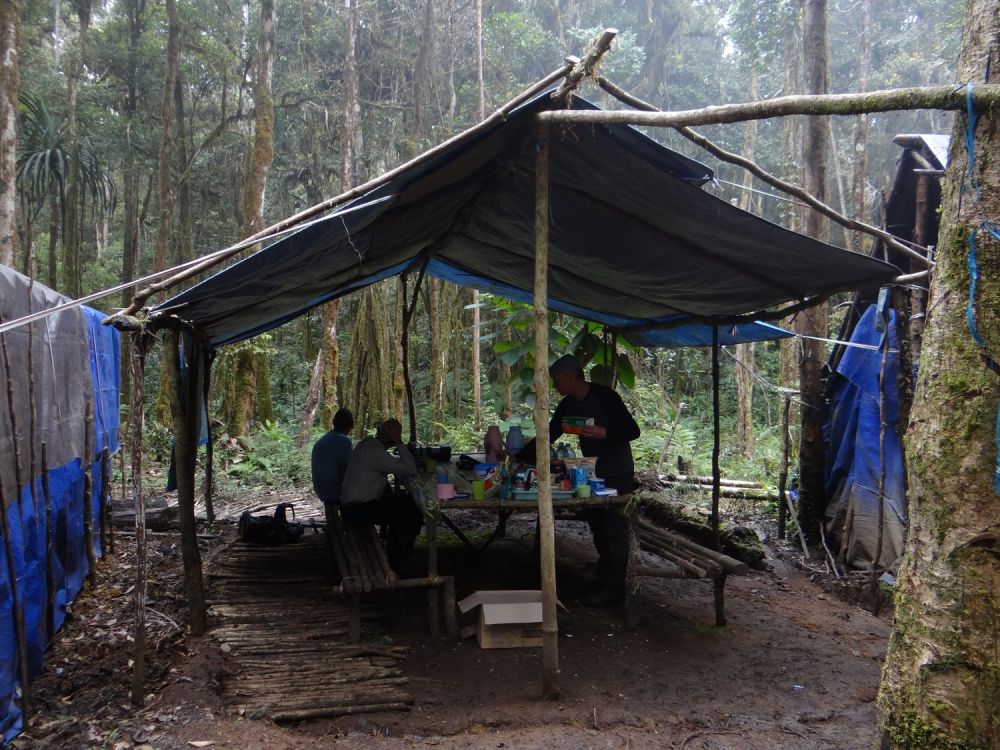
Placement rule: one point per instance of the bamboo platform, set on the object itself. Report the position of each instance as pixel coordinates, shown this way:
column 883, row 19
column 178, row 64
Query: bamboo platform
column 285, row 631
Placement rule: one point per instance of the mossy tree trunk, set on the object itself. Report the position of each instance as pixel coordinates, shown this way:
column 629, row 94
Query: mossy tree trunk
column 813, row 322
column 10, row 28
column 941, row 682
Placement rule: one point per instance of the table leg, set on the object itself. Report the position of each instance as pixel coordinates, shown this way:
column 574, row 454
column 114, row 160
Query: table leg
column 433, row 608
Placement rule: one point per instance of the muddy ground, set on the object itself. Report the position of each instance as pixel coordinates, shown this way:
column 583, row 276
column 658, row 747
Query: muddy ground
column 795, row 667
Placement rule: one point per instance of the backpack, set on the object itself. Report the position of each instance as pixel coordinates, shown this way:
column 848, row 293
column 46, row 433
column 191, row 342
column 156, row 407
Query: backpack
column 274, row 529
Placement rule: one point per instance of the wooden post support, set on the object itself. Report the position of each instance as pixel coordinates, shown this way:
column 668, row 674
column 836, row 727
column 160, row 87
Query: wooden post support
column 783, row 475
column 88, row 491
column 50, row 580
column 184, row 397
column 141, row 343
column 546, row 522
column 209, row 446
column 104, row 512
column 716, row 538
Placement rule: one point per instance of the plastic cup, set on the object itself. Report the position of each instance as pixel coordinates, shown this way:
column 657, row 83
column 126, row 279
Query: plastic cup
column 583, row 490
column 478, row 489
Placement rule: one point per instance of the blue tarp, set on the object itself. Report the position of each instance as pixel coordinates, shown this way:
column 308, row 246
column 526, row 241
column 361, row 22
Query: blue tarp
column 852, row 434
column 26, row 521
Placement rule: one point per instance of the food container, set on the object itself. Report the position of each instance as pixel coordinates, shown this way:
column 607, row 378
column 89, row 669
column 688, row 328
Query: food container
column 596, row 485
column 575, row 425
column 483, row 470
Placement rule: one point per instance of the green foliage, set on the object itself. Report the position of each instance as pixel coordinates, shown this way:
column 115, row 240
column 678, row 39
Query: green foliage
column 267, row 457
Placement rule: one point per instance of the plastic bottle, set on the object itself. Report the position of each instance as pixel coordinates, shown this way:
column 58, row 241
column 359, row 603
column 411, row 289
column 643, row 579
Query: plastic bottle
column 515, row 439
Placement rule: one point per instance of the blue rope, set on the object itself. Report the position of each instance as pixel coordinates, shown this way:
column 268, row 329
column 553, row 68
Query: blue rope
column 970, row 132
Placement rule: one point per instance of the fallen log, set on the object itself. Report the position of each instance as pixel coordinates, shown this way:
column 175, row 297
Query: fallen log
column 693, row 479
column 729, row 564
column 325, row 713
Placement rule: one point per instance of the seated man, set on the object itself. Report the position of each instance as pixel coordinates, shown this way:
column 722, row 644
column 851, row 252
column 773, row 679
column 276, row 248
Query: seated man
column 367, row 497
column 330, row 455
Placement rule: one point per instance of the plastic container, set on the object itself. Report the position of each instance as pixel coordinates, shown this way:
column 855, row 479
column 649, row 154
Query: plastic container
column 441, row 474
column 515, row 439
column 493, row 444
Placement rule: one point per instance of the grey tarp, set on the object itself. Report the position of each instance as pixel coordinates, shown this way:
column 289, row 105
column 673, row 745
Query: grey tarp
column 634, row 240
column 62, row 377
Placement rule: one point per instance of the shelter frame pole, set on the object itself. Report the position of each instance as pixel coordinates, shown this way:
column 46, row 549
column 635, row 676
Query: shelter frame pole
column 210, row 445
column 876, row 600
column 88, row 491
column 50, row 581
column 408, row 310
column 783, row 475
column 546, row 520
column 719, row 584
column 141, row 343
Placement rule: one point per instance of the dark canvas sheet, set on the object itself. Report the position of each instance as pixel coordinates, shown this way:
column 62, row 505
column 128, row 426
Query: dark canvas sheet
column 632, row 237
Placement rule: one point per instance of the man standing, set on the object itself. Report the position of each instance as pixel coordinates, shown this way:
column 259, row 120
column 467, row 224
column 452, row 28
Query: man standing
column 367, row 497
column 330, row 455
column 608, row 440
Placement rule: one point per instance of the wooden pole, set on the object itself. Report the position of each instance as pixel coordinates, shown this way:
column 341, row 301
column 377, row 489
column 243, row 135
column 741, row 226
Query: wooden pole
column 881, row 474
column 141, row 343
column 88, row 492
column 783, row 475
column 408, row 310
column 210, row 445
column 50, row 579
column 185, row 395
column 716, row 538
column 105, row 502
column 546, row 521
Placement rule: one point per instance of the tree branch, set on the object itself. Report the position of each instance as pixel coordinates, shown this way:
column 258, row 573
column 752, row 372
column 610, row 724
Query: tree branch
column 951, row 97
column 752, row 167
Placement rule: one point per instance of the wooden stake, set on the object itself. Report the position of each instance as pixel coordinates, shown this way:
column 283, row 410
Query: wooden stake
column 716, row 538
column 783, row 475
column 141, row 343
column 50, row 580
column 546, row 522
column 105, row 503
column 876, row 600
column 88, row 492
column 210, row 445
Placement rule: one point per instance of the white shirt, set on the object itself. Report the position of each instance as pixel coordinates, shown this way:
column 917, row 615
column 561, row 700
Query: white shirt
column 368, row 468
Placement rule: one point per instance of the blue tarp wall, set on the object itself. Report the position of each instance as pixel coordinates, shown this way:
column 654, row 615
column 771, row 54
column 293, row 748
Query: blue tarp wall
column 26, row 521
column 852, row 435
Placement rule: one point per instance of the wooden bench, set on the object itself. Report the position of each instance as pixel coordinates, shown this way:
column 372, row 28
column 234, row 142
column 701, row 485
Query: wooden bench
column 690, row 559
column 364, row 568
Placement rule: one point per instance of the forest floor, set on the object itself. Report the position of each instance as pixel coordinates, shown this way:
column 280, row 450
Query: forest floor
column 797, row 665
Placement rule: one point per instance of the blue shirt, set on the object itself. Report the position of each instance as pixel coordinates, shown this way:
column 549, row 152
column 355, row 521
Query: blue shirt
column 330, row 455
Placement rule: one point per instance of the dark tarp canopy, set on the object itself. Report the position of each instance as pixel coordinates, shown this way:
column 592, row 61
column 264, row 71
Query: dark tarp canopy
column 634, row 241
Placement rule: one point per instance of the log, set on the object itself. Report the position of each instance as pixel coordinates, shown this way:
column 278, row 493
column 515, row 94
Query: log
column 685, row 565
column 729, row 564
column 325, row 713
column 733, row 493
column 692, row 479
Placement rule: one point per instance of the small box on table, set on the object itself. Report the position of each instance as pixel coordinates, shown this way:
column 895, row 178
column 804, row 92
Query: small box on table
column 507, row 619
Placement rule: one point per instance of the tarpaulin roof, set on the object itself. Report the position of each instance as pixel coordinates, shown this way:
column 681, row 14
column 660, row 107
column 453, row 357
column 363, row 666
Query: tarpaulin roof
column 633, row 240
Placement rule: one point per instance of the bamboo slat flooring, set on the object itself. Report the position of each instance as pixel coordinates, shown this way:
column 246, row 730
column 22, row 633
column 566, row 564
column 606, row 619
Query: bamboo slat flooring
column 284, row 630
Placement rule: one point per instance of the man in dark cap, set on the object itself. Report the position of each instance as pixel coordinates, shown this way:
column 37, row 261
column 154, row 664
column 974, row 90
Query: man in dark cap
column 608, row 440
column 367, row 496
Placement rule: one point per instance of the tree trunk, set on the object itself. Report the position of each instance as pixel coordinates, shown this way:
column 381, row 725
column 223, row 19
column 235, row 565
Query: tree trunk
column 438, row 358
column 164, row 182
column 745, row 352
column 941, row 682
column 331, row 361
column 10, row 29
column 55, row 225
column 812, row 322
column 71, row 238
column 788, row 374
column 859, row 156
column 477, row 397
column 314, row 394
column 185, row 221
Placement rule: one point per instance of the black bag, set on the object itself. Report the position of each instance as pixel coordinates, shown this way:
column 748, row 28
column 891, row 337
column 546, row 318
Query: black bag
column 274, row 529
